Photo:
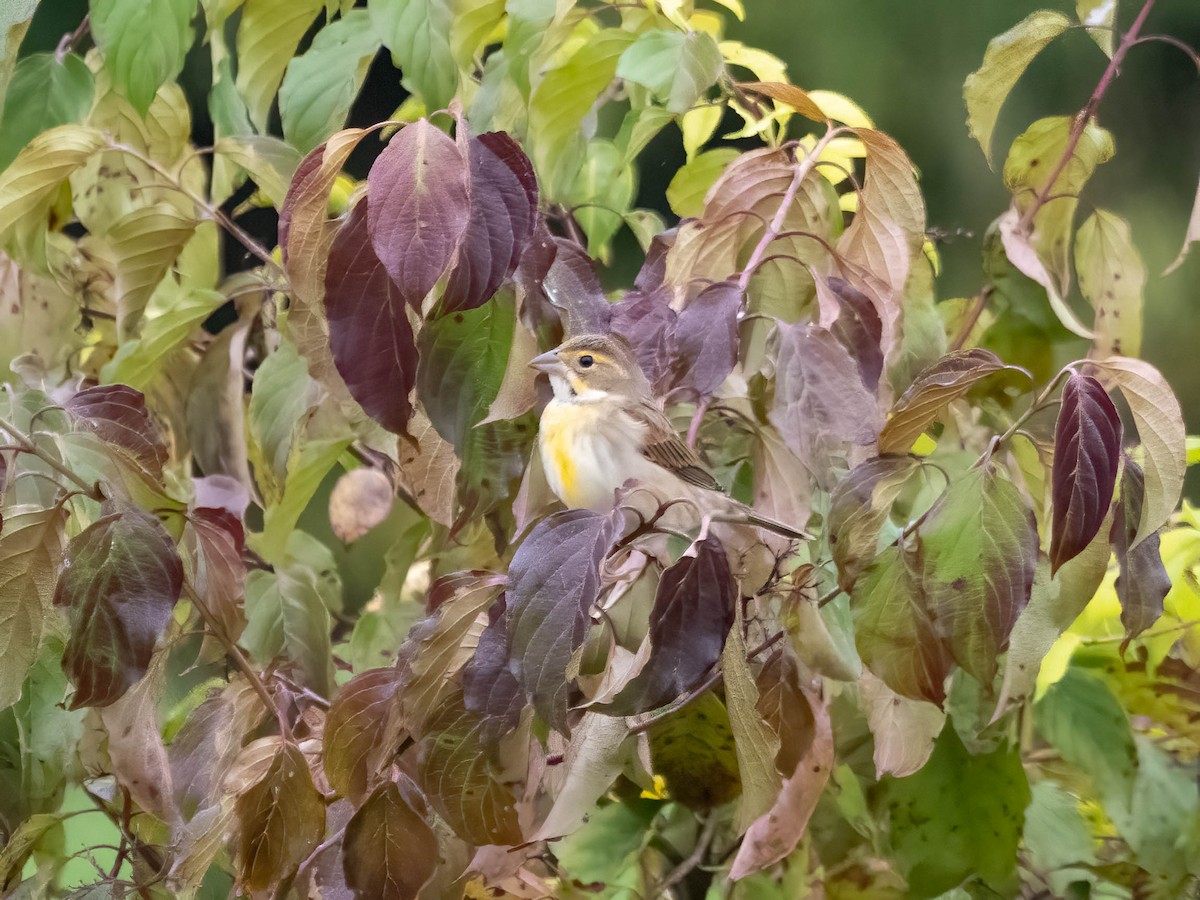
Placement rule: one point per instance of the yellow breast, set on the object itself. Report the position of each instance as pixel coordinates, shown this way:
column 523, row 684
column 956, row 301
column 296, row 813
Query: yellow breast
column 569, row 436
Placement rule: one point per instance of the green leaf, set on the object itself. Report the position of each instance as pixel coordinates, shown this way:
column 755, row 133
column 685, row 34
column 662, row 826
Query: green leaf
column 143, row 42
column 1112, row 278
column 1084, row 722
column 562, row 99
column 686, row 191
column 31, row 546
column 14, row 22
column 1006, row 58
column 267, row 37
column 474, row 21
column 960, row 816
column 1165, row 801
column 43, row 93
column 308, row 464
column 601, row 194
column 281, row 395
column 604, row 850
column 287, row 615
column 980, row 547
column 138, row 362
column 320, row 86
column 418, row 34
column 1100, row 16
column 1032, row 161
column 1058, row 837
column 268, row 160
column 678, row 67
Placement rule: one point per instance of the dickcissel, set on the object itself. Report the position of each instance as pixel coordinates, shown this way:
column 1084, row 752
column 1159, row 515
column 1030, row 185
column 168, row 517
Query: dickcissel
column 603, row 428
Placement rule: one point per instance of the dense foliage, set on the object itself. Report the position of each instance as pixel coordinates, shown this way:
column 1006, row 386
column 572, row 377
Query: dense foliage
column 979, row 679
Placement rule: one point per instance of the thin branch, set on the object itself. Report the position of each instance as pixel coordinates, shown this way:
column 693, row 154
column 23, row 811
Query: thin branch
column 977, row 307
column 239, row 658
column 24, row 445
column 71, row 39
column 1079, row 125
column 803, row 168
column 697, row 418
column 1172, row 41
column 696, row 857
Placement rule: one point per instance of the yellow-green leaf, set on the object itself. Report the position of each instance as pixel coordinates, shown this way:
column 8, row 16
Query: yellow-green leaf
column 1006, row 58
column 1099, row 16
column 30, row 184
column 137, row 362
column 267, row 37
column 686, row 191
column 1112, row 278
column 145, row 244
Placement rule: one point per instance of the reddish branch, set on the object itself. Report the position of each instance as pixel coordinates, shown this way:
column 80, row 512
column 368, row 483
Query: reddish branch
column 1088, row 112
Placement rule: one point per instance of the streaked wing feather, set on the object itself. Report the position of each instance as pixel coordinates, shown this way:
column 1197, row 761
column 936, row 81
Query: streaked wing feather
column 664, row 447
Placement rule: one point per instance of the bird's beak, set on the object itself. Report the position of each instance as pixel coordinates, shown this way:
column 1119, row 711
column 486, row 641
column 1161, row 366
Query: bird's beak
column 548, row 362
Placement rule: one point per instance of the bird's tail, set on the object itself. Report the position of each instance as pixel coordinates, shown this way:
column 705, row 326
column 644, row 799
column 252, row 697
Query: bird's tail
column 759, row 521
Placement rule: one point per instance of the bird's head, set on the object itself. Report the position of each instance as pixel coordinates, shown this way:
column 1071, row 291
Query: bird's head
column 592, row 367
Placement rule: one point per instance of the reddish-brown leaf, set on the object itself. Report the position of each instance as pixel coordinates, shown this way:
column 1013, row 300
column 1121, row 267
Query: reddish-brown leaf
column 117, row 414
column 706, row 338
column 554, row 579
column 280, row 819
column 1143, row 583
column 120, row 580
column 858, row 507
column 1087, row 453
column 796, row 98
column 860, row 330
column 784, row 706
column 214, row 541
column 692, row 614
column 920, row 405
column 354, row 755
column 503, row 210
column 389, row 851
column 369, row 333
column 489, row 686
column 418, row 207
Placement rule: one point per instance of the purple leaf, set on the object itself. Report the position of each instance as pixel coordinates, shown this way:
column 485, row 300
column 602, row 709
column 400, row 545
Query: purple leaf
column 117, row 414
column 1087, row 452
column 647, row 321
column 706, row 335
column 860, row 330
column 119, row 582
column 821, row 403
column 418, row 207
column 554, row 579
column 1143, row 583
column 691, row 617
column 503, row 209
column 369, row 333
column 490, row 680
column 654, row 267
column 574, row 288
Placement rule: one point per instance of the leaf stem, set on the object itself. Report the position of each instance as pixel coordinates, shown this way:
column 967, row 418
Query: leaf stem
column 1036, row 406
column 71, row 39
column 1085, row 115
column 24, row 445
column 239, row 658
column 977, row 306
column 773, row 230
column 696, row 857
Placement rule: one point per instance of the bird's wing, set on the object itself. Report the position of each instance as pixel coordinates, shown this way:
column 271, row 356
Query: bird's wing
column 663, row 446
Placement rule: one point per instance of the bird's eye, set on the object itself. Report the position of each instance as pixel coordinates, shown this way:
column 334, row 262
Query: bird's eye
column 586, row 361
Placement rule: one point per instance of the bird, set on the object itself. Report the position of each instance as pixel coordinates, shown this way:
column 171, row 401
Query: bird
column 603, row 428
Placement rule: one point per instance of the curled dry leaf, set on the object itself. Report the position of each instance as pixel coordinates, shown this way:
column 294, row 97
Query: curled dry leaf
column 361, row 499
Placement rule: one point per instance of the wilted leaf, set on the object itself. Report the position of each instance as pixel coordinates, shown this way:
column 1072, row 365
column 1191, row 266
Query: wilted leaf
column 678, row 67
column 355, row 754
column 461, row 781
column 1160, row 428
column 281, row 819
column 1112, row 278
column 503, row 210
column 889, row 227
column 144, row 43
column 319, row 87
column 693, row 750
column 821, row 403
column 1032, row 161
column 858, row 507
column 919, row 406
column 389, row 852
column 117, row 414
column 905, row 730
column 1191, row 237
column 777, row 832
column 554, row 579
column 895, row 632
column 370, row 335
column 758, row 732
column 979, row 549
column 418, row 207
column 45, row 92
column 120, row 580
column 596, row 755
column 960, row 816
column 1143, row 583
column 1006, row 58
column 1087, row 453
column 429, row 470
column 793, row 96
column 267, row 36
column 692, row 614
column 31, row 546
